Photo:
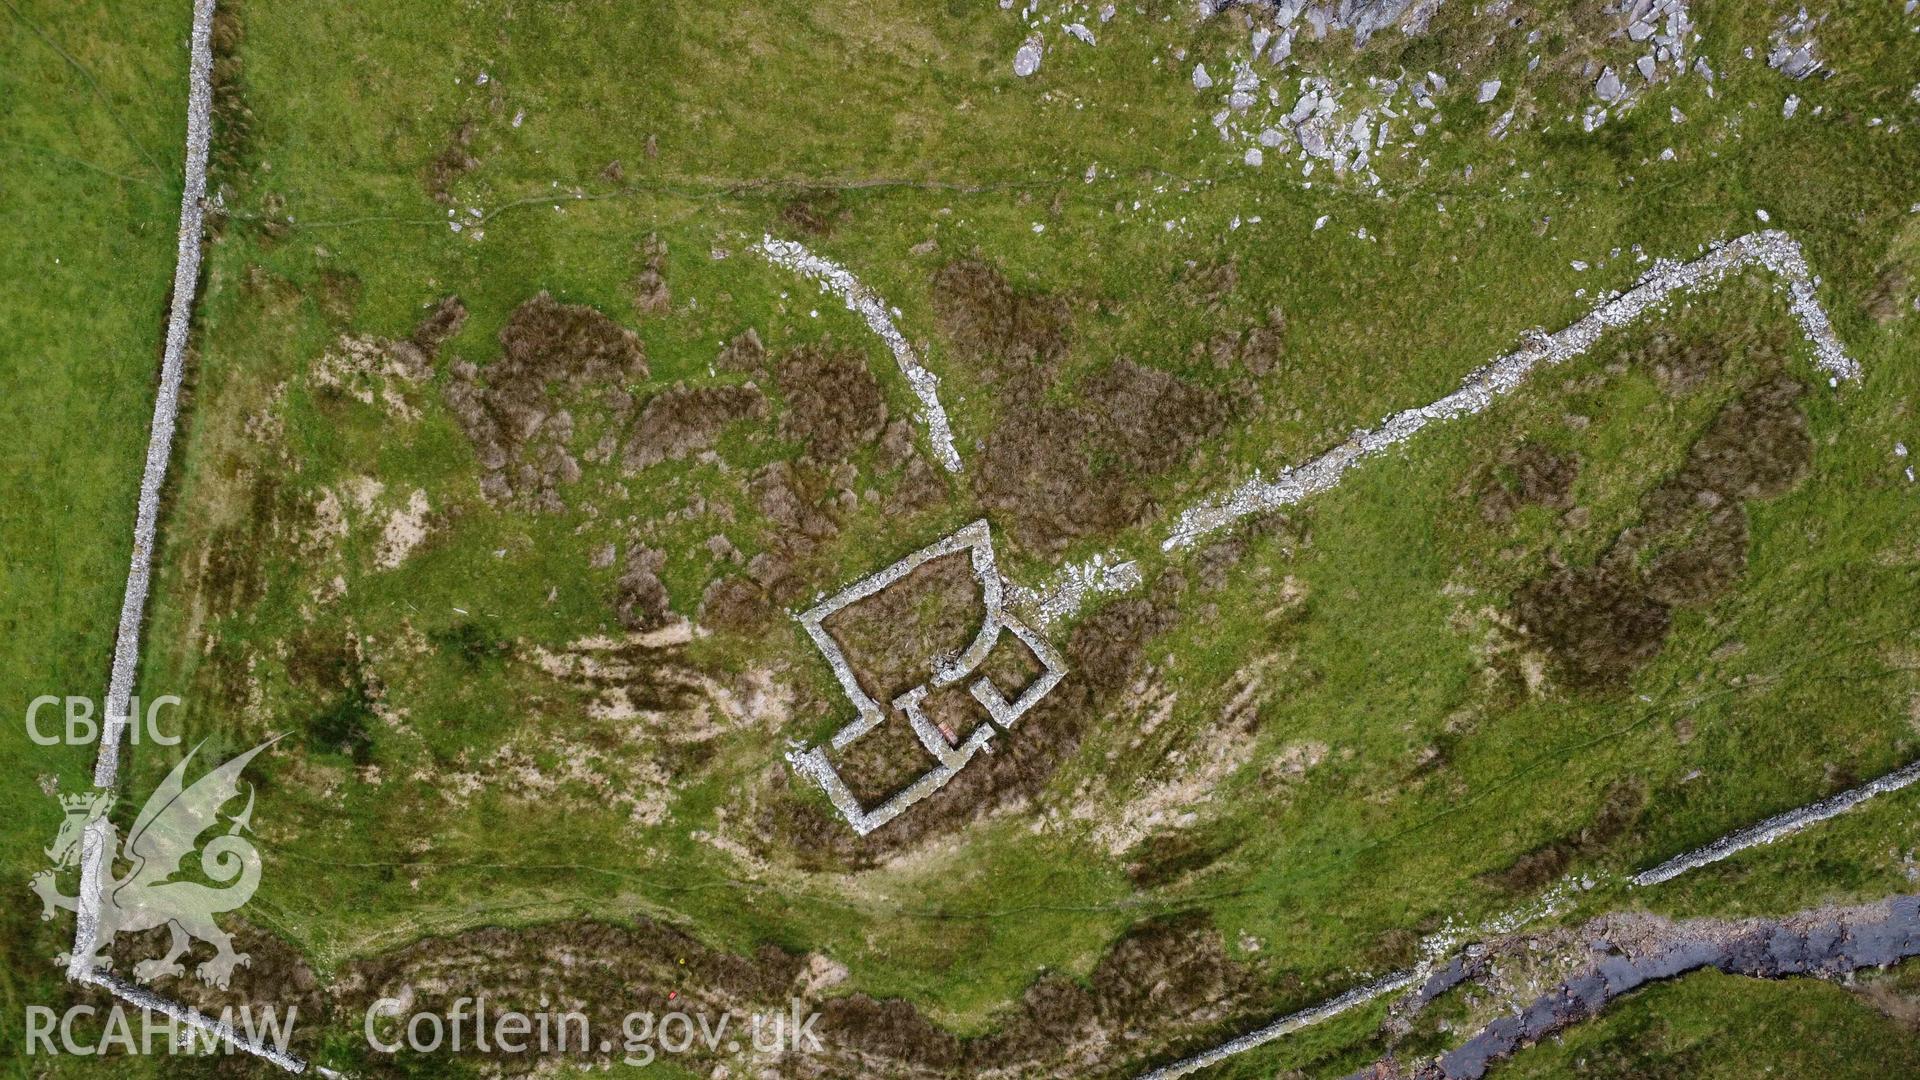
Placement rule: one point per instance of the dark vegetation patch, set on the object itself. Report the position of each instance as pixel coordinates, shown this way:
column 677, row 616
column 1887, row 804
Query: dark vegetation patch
column 454, row 161
column 1054, row 473
column 835, row 407
column 834, row 404
column 743, row 354
column 1601, row 623
column 1147, row 419
column 814, row 213
column 918, row 486
column 1059, row 467
column 895, row 639
column 231, row 149
column 1598, row 622
column 650, row 293
column 230, row 571
column 801, row 504
column 416, row 353
column 1757, row 448
column 339, row 296
column 332, row 672
column 737, row 604
column 469, row 642
column 1256, row 351
column 345, row 726
column 954, row 710
column 1532, row 474
column 684, row 420
column 1037, row 478
column 1010, row 333
column 1620, row 810
column 1011, row 667
column 1892, row 295
column 275, row 976
column 517, row 412
column 440, row 327
column 1682, row 365
column 884, row 760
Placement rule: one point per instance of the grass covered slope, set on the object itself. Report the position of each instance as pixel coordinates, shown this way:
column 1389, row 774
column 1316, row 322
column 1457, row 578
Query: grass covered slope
column 538, row 670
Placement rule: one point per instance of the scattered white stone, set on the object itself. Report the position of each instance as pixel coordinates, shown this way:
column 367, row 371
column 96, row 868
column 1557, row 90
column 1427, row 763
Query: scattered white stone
column 1026, row 61
column 1322, row 222
column 1201, row 80
column 1791, row 46
column 1488, row 91
column 1770, row 249
column 1254, row 157
column 1580, row 266
column 1792, row 106
column 1080, row 31
column 1106, row 13
column 1762, row 215
column 875, row 312
column 1676, row 115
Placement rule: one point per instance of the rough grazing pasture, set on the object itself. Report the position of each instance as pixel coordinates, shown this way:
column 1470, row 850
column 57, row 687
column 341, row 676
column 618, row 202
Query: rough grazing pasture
column 508, row 461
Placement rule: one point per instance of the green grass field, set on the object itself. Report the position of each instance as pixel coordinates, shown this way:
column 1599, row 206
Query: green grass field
column 90, row 159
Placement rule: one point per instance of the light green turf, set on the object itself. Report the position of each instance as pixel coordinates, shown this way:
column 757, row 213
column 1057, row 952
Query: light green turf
column 91, row 142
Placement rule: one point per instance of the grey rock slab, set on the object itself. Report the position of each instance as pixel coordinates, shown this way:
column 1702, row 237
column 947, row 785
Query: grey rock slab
column 1026, row 60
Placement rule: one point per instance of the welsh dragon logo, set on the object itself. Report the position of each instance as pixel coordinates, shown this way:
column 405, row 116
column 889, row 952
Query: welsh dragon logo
column 147, row 893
